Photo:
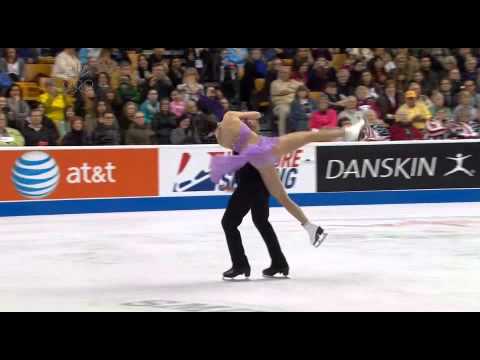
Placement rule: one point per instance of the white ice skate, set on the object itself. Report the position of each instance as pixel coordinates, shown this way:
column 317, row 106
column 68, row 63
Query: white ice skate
column 316, row 233
column 353, row 133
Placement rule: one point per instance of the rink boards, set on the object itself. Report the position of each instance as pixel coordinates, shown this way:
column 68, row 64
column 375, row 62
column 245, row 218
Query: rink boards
column 67, row 180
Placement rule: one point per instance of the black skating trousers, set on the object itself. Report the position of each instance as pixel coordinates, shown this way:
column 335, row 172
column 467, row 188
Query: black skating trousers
column 250, row 195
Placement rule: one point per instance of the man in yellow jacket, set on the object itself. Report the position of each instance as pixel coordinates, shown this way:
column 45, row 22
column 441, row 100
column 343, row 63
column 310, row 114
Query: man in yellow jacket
column 9, row 136
column 416, row 109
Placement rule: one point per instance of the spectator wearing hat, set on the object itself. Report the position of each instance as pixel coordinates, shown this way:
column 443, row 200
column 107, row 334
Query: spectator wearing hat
column 414, row 108
column 323, row 117
column 421, row 97
column 283, row 93
column 301, row 109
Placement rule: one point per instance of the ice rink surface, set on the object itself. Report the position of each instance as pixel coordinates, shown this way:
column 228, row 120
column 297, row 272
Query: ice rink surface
column 377, row 258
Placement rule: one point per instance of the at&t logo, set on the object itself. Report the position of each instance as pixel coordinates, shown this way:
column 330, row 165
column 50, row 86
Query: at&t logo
column 35, row 175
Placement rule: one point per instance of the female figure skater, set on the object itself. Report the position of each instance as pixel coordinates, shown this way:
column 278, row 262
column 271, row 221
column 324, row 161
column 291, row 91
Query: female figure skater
column 251, row 195
column 264, row 153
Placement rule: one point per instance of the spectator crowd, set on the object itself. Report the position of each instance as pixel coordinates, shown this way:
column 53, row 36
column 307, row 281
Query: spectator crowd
column 113, row 96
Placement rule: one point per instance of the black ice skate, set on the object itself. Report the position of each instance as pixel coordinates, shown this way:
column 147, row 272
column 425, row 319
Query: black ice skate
column 232, row 273
column 273, row 270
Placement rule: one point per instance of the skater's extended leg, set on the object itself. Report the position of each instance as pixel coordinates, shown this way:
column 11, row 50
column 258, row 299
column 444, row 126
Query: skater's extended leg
column 275, row 187
column 291, row 142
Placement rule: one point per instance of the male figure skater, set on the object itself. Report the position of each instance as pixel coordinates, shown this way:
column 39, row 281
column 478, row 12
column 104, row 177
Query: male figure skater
column 251, row 195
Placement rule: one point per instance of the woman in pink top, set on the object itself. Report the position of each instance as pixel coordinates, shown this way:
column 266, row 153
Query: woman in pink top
column 177, row 105
column 324, row 117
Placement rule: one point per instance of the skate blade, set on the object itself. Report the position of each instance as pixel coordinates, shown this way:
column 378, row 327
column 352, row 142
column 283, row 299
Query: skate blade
column 320, row 240
column 279, row 277
column 235, row 279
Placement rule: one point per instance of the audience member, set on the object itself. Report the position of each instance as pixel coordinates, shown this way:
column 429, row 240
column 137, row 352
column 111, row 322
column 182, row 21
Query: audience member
column 301, row 109
column 283, row 93
column 324, row 117
column 164, row 122
column 8, row 135
column 78, row 135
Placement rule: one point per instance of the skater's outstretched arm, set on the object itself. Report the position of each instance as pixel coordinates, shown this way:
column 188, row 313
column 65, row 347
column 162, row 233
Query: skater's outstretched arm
column 272, row 181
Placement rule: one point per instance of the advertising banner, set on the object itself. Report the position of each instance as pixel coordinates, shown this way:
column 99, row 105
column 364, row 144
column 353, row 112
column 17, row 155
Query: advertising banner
column 452, row 165
column 185, row 171
column 85, row 173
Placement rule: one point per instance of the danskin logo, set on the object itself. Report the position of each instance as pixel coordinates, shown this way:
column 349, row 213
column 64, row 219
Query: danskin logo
column 399, row 166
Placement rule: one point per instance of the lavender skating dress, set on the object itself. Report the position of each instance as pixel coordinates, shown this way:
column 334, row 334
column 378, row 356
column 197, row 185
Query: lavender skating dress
column 259, row 155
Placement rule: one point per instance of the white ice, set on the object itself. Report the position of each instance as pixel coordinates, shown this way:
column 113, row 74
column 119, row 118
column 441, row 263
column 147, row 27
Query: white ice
column 377, row 258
